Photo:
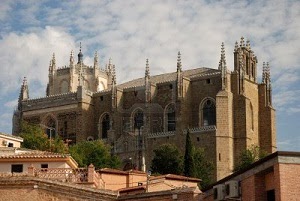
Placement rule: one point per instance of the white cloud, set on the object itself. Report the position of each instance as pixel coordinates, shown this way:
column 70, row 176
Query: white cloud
column 29, row 54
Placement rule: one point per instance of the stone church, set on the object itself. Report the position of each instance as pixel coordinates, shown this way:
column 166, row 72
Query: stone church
column 225, row 112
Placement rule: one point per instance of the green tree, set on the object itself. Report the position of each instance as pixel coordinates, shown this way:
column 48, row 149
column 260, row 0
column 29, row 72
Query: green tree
column 35, row 138
column 189, row 168
column 167, row 160
column 203, row 167
column 95, row 152
column 249, row 156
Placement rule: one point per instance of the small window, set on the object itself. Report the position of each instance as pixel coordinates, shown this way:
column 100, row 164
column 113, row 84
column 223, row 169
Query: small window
column 198, row 139
column 17, row 168
column 101, row 98
column 171, row 86
column 208, row 81
column 215, row 193
column 10, row 144
column 44, row 165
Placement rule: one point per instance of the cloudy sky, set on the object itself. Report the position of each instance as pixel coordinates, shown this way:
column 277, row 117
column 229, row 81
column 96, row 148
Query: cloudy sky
column 131, row 31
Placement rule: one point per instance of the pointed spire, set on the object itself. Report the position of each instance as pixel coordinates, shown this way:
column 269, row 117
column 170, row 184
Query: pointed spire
column 264, row 73
column 147, row 71
column 96, row 60
column 222, row 63
column 236, row 46
column 24, row 93
column 80, row 55
column 53, row 59
column 179, row 69
column 113, row 73
column 72, row 58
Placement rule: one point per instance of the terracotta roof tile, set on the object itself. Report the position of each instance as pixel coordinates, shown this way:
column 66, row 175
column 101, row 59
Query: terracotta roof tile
column 168, row 77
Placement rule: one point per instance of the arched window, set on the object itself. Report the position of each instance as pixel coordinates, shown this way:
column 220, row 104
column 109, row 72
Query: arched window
column 170, row 118
column 208, row 113
column 138, row 119
column 105, row 124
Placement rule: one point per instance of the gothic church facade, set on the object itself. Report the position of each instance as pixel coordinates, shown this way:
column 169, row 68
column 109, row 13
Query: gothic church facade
column 225, row 112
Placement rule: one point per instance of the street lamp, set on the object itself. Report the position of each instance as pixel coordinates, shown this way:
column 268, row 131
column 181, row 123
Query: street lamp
column 50, row 133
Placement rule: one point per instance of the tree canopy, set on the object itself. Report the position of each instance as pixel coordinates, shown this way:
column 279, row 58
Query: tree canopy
column 249, row 156
column 167, row 160
column 188, row 157
column 34, row 137
column 94, row 152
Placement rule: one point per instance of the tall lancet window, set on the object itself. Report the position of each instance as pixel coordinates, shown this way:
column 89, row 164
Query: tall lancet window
column 208, row 113
column 171, row 121
column 105, row 125
column 138, row 119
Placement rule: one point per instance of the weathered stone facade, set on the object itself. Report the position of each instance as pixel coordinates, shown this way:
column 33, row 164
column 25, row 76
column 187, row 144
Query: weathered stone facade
column 226, row 112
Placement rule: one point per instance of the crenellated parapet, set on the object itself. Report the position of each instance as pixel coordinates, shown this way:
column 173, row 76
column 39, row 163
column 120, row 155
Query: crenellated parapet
column 161, row 134
column 51, row 100
column 202, row 129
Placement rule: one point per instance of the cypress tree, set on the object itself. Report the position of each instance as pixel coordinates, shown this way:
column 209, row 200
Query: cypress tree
column 188, row 157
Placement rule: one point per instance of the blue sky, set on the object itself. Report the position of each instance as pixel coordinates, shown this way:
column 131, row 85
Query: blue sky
column 131, row 31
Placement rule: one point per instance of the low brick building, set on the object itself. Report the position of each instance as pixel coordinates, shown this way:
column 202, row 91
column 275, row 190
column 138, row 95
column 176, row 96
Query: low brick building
column 275, row 177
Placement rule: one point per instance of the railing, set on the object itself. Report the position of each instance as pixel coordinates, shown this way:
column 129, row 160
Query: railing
column 201, row 129
column 161, row 134
column 78, row 175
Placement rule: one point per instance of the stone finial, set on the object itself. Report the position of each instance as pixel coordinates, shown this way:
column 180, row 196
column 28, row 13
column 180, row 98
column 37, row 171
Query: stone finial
column 242, row 42
column 264, row 73
column 53, row 59
column 113, row 74
column 236, row 46
column 248, row 46
column 222, row 63
column 179, row 69
column 268, row 78
column 80, row 55
column 147, row 71
column 96, row 60
column 24, row 81
column 72, row 58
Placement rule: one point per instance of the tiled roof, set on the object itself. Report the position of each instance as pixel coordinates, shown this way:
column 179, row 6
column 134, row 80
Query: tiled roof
column 35, row 154
column 11, row 136
column 168, row 77
column 176, row 177
column 115, row 171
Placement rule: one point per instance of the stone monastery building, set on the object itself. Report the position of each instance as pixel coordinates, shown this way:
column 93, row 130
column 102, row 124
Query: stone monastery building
column 226, row 112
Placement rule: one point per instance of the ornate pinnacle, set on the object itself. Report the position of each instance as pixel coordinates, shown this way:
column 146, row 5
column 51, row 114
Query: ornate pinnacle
column 96, row 59
column 24, row 81
column 113, row 73
column 147, row 71
column 242, row 42
column 179, row 69
column 236, row 46
column 264, row 73
column 268, row 72
column 248, row 45
column 53, row 59
column 72, row 57
column 222, row 63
